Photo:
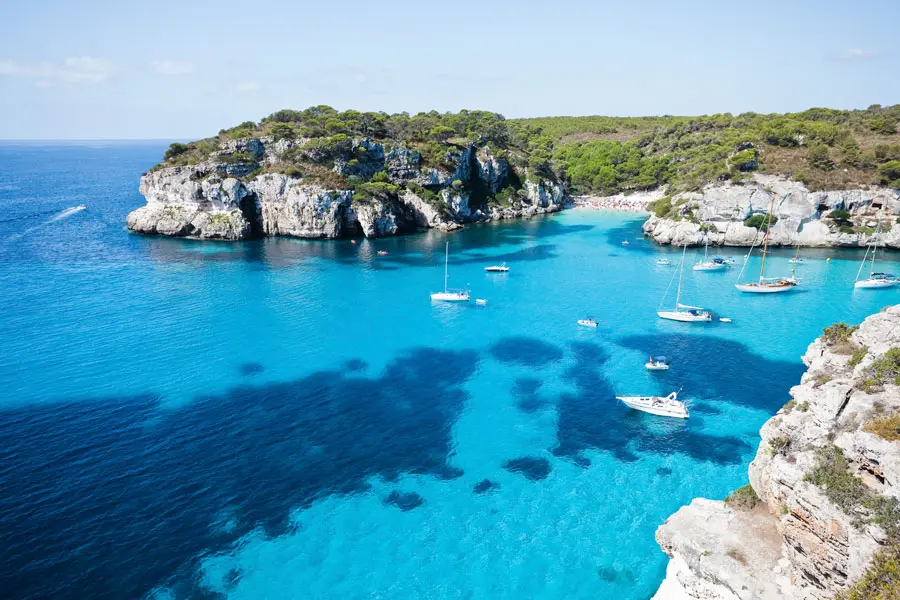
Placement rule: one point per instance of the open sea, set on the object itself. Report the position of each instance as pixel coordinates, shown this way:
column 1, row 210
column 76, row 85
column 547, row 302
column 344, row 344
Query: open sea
column 296, row 419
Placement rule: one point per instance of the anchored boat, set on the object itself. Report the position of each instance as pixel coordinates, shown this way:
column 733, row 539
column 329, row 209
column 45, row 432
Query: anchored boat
column 683, row 312
column 497, row 268
column 670, row 406
column 766, row 285
column 449, row 295
column 659, row 364
column 875, row 280
column 707, row 264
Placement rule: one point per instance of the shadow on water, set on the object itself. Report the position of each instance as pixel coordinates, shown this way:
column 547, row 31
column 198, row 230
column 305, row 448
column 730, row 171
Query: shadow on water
column 530, row 352
column 593, row 419
column 708, row 367
column 528, row 400
column 424, row 249
column 108, row 498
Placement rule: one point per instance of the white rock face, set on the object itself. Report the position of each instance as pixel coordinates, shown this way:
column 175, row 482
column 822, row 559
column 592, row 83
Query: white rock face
column 800, row 215
column 224, row 197
column 819, row 549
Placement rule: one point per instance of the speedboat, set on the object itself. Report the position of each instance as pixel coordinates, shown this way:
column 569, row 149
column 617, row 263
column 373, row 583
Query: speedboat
column 497, row 268
column 625, row 242
column 877, row 280
column 664, row 262
column 480, row 301
column 587, row 322
column 669, row 406
column 724, row 320
column 659, row 364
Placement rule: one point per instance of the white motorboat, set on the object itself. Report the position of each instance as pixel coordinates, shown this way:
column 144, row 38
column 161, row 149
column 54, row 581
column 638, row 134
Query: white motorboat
column 669, row 406
column 657, row 364
column 683, row 312
column 796, row 261
column 587, row 322
column 707, row 264
column 497, row 268
column 663, row 262
column 480, row 301
column 875, row 280
column 766, row 285
column 724, row 320
column 449, row 295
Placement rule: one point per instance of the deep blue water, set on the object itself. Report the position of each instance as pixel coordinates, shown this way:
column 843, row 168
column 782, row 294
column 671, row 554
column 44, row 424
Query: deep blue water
column 293, row 419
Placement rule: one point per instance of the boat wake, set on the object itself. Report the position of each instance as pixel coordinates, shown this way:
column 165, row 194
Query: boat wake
column 65, row 213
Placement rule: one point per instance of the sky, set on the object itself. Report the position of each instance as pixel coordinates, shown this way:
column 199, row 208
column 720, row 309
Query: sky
column 180, row 70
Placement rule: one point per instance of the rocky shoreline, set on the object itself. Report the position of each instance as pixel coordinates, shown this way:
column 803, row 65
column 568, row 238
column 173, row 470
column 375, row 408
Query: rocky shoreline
column 223, row 199
column 804, row 218
column 825, row 485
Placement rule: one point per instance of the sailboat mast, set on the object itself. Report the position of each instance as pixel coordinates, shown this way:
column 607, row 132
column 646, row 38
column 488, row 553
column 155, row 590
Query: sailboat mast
column 680, row 275
column 446, row 265
column 762, row 268
column 875, row 246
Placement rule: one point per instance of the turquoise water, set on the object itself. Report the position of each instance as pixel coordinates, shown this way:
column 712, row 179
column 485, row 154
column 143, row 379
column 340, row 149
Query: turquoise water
column 288, row 418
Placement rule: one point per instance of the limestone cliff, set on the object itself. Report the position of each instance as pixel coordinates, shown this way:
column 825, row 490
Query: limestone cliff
column 246, row 188
column 803, row 217
column 826, row 476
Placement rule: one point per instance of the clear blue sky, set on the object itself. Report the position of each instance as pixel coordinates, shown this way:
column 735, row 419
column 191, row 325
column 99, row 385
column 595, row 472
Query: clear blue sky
column 183, row 69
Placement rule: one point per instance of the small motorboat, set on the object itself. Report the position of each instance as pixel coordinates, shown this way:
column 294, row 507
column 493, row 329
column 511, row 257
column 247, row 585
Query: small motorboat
column 657, row 364
column 663, row 262
column 497, row 268
column 625, row 242
column 724, row 320
column 382, row 253
column 587, row 322
column 796, row 261
column 480, row 301
column 715, row 264
column 669, row 406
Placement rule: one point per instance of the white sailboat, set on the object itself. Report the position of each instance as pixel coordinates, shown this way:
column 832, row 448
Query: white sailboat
column 683, row 312
column 707, row 264
column 875, row 280
column 449, row 295
column 765, row 285
column 670, row 406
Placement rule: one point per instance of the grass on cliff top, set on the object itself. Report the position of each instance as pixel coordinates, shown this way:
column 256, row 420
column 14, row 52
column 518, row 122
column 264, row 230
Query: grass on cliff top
column 886, row 427
column 848, row 492
column 743, row 498
column 881, row 581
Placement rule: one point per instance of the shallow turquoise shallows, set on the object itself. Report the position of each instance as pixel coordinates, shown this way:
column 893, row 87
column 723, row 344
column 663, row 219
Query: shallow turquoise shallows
column 296, row 419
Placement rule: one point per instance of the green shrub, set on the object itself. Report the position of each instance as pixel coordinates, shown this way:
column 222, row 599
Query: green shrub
column 174, row 150
column 662, row 207
column 380, row 177
column 821, row 379
column 889, row 173
column 840, row 216
column 838, row 333
column 880, row 582
column 759, row 221
column 743, row 498
column 819, row 157
column 857, row 357
column 780, row 444
column 885, row 369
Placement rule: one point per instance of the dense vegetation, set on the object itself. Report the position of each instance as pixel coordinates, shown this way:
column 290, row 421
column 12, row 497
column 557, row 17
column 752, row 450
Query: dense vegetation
column 821, row 147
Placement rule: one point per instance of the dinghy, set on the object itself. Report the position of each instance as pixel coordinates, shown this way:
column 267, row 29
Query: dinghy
column 587, row 322
column 659, row 364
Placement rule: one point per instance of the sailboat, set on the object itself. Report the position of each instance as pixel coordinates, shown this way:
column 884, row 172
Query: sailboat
column 716, row 264
column 449, row 295
column 683, row 312
column 765, row 285
column 875, row 280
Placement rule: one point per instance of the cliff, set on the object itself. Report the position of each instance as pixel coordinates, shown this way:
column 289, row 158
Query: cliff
column 323, row 174
column 825, row 484
column 804, row 218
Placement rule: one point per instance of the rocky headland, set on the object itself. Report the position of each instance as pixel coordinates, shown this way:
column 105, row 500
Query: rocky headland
column 820, row 517
column 323, row 174
column 721, row 213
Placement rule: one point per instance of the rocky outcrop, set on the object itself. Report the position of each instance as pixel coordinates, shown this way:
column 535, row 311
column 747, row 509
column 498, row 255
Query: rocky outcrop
column 799, row 543
column 238, row 193
column 720, row 210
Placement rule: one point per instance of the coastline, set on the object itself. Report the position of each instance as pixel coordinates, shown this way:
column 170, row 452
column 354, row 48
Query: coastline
column 637, row 202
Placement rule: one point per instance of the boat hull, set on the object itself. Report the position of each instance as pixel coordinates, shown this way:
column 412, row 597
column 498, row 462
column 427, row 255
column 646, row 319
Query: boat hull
column 449, row 297
column 874, row 284
column 587, row 323
column 660, row 411
column 684, row 317
column 710, row 266
column 755, row 288
column 656, row 367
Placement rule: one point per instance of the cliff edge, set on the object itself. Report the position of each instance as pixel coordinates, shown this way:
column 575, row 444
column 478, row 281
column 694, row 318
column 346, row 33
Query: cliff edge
column 720, row 212
column 319, row 173
column 821, row 516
